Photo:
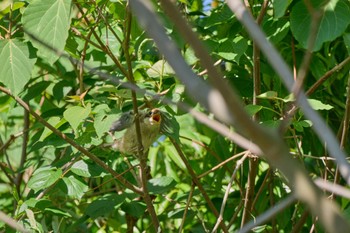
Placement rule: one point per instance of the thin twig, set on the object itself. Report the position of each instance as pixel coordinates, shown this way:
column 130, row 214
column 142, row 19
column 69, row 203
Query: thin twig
column 221, row 164
column 326, row 76
column 190, row 195
column 254, row 162
column 304, row 67
column 105, row 48
column 268, row 214
column 262, row 186
column 197, row 182
column 305, row 64
column 24, row 151
column 299, row 225
column 228, row 189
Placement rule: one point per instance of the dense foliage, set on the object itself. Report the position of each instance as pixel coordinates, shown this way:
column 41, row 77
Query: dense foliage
column 66, row 70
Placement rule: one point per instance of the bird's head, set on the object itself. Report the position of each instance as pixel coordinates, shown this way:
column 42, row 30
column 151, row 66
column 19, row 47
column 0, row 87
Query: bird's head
column 154, row 116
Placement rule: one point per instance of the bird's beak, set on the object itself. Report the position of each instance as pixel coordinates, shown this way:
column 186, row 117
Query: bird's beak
column 155, row 117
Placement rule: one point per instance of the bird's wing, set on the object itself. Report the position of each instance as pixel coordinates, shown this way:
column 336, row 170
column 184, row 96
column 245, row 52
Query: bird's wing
column 125, row 121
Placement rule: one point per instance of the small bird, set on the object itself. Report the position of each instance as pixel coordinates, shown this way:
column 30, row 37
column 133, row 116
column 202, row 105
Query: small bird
column 150, row 123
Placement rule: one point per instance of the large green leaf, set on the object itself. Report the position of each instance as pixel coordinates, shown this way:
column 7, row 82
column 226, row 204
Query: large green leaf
column 75, row 115
column 75, row 187
column 134, row 208
column 233, row 49
column 279, row 7
column 54, row 121
column 87, row 169
column 48, row 21
column 159, row 69
column 161, row 185
column 334, row 22
column 44, row 177
column 104, row 205
column 169, row 126
column 16, row 64
column 346, row 38
column 103, row 119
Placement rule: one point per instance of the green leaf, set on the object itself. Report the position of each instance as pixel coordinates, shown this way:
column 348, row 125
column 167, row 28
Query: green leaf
column 159, row 69
column 169, row 126
column 268, row 95
column 318, row 105
column 134, row 208
column 160, row 185
column 233, row 49
column 334, row 22
column 75, row 115
column 280, row 7
column 9, row 6
column 44, row 177
column 346, row 38
column 253, row 109
column 109, row 38
column 58, row 212
column 86, row 169
column 75, row 187
column 48, row 21
column 35, row 90
column 81, row 168
column 276, row 30
column 16, row 64
column 54, row 121
column 220, row 15
column 104, row 205
column 103, row 119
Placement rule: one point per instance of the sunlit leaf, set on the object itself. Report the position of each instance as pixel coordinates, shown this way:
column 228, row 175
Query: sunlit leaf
column 16, row 64
column 334, row 21
column 48, row 21
column 76, row 114
column 233, row 49
column 160, row 185
column 54, row 121
column 75, row 187
column 159, row 69
column 268, row 95
column 44, row 177
column 318, row 105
